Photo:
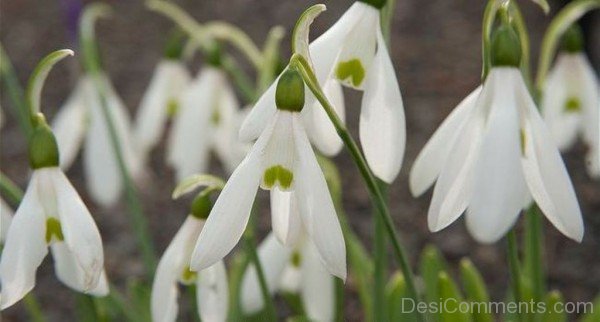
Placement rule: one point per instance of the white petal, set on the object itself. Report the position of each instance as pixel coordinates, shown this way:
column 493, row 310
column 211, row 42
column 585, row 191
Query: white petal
column 25, row 247
column 79, row 230
column 434, row 155
column 273, row 259
column 230, row 213
column 189, row 141
column 173, row 263
column 499, row 186
column 316, row 207
column 317, row 288
column 280, row 150
column 285, row 220
column 212, row 293
column 358, row 48
column 382, row 123
column 260, row 114
column 226, row 140
column 72, row 274
column 546, row 175
column 169, row 79
column 319, row 127
column 6, row 215
column 70, row 123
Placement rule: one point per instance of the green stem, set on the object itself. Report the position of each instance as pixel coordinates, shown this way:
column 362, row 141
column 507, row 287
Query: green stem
column 489, row 16
column 563, row 20
column 10, row 189
column 533, row 252
column 264, row 289
column 521, row 28
column 513, row 263
column 380, row 272
column 375, row 193
column 15, row 91
column 33, row 308
column 387, row 13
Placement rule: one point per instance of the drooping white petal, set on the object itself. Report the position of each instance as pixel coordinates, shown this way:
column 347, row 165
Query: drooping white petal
column 498, row 183
column 291, row 278
column 546, row 174
column 213, row 293
column 72, row 274
column 25, row 247
column 316, row 207
column 169, row 79
column 273, row 258
column 6, row 215
column 319, row 127
column 230, row 213
column 317, row 287
column 434, row 155
column 454, row 184
column 172, row 265
column 280, row 150
column 285, row 220
column 260, row 114
column 70, row 123
column 189, row 141
column 358, row 48
column 382, row 123
column 226, row 141
column 79, row 230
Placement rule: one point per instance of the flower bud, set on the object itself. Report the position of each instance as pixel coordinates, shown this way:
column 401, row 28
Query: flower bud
column 289, row 95
column 43, row 149
column 506, row 47
column 572, row 40
column 201, row 206
column 375, row 3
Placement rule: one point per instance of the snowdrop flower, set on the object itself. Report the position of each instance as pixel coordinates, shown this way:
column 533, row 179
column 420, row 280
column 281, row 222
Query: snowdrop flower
column 571, row 100
column 6, row 215
column 206, row 121
column 173, row 268
column 494, row 152
column 53, row 215
column 292, row 270
column 353, row 53
column 283, row 159
column 160, row 99
column 82, row 121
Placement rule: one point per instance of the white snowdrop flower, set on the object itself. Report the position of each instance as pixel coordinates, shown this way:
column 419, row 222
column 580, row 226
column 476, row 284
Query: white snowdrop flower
column 571, row 100
column 296, row 269
column 492, row 154
column 207, row 121
column 353, row 53
column 82, row 121
column 211, row 283
column 6, row 215
column 53, row 215
column 283, row 159
column 160, row 99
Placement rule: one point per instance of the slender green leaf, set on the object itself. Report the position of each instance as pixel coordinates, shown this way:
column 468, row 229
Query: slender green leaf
column 475, row 290
column 553, row 299
column 398, row 300
column 451, row 310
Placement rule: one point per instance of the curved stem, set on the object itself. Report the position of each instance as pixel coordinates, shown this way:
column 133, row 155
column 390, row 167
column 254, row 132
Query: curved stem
column 377, row 198
column 38, row 78
column 565, row 18
column 238, row 38
column 270, row 53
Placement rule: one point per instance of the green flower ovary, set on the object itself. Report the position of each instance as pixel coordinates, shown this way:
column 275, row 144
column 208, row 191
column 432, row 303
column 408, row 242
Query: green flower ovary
column 572, row 105
column 279, row 174
column 53, row 230
column 352, row 69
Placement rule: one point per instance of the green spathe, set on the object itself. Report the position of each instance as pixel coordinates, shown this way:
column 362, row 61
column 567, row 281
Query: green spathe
column 289, row 95
column 506, row 48
column 43, row 149
column 352, row 69
column 279, row 174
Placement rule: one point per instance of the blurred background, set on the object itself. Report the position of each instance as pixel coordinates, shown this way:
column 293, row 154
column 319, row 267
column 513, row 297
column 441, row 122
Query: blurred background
column 436, row 50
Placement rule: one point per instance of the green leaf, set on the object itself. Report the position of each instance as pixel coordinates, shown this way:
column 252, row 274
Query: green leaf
column 594, row 315
column 432, row 263
column 451, row 298
column 552, row 299
column 396, row 293
column 139, row 293
column 475, row 289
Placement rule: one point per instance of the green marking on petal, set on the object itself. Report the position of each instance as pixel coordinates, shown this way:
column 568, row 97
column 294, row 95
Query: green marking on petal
column 352, row 69
column 215, row 117
column 188, row 276
column 523, row 138
column 172, row 107
column 572, row 105
column 279, row 174
column 296, row 259
column 53, row 230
